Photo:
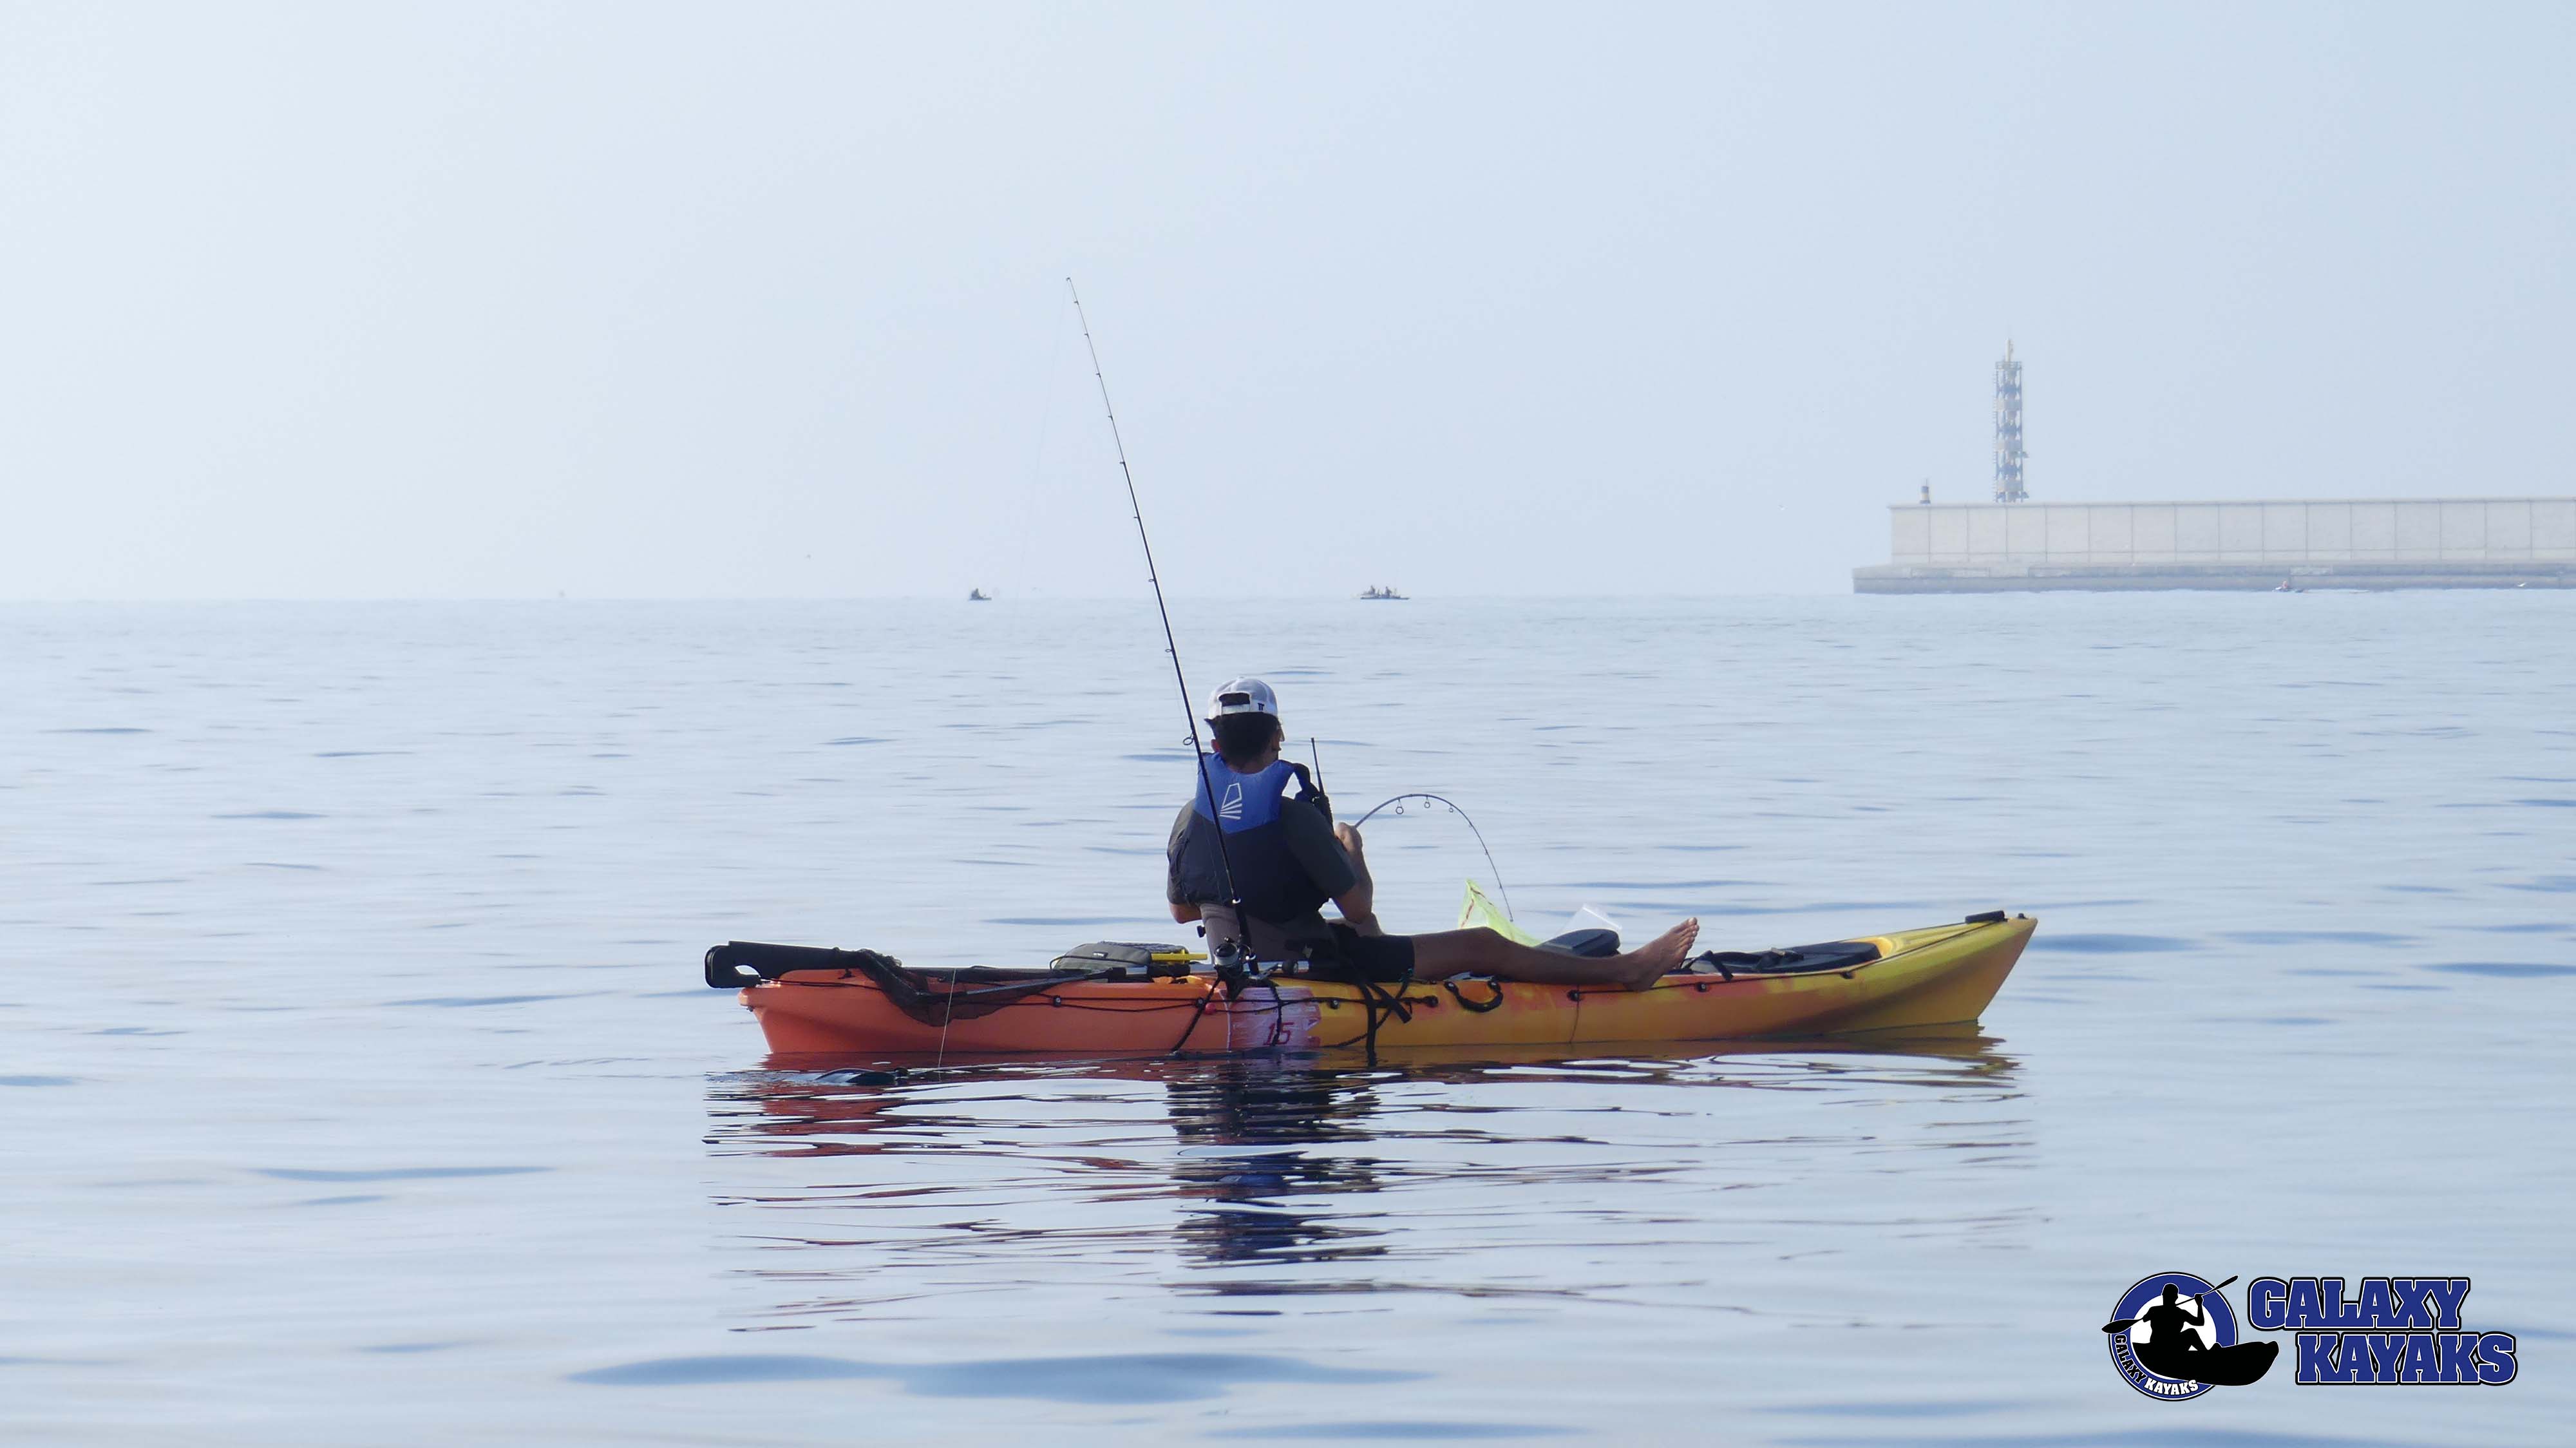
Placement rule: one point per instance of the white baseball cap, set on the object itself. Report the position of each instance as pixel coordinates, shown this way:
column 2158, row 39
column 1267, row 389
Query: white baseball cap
column 1242, row 696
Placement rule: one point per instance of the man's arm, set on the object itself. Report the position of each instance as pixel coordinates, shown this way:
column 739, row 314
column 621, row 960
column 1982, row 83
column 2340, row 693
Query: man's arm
column 1358, row 904
column 1183, row 911
column 1329, row 855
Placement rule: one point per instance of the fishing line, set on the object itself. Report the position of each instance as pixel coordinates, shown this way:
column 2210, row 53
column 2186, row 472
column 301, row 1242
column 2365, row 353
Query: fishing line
column 1471, row 826
column 948, row 1017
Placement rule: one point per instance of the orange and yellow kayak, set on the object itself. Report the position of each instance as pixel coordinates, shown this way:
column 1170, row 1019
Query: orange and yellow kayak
column 1936, row 976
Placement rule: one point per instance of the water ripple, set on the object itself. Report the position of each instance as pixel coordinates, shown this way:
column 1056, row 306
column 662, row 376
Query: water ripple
column 1128, row 1378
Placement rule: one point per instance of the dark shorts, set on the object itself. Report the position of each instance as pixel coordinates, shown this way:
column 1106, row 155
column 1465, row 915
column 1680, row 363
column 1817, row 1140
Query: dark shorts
column 1386, row 959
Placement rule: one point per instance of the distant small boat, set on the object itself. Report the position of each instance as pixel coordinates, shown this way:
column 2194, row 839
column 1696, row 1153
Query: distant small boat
column 977, row 595
column 1379, row 592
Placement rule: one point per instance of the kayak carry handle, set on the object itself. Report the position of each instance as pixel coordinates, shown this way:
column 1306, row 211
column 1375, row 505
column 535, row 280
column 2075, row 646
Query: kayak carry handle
column 1479, row 1007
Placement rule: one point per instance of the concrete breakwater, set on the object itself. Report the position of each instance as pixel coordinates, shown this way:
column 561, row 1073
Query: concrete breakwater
column 2324, row 543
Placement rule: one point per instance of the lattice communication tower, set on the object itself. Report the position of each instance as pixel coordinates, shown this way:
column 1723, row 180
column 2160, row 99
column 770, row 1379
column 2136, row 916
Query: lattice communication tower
column 2008, row 453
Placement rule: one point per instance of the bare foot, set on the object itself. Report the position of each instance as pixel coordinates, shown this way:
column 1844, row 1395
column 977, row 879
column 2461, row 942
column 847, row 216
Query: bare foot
column 1658, row 957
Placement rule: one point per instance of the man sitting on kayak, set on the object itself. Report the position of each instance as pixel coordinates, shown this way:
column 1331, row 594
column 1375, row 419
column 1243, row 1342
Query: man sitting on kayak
column 2171, row 1322
column 1288, row 859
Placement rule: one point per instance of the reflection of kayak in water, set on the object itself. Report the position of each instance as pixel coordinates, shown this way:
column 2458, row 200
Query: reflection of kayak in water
column 809, row 1000
column 2221, row 1367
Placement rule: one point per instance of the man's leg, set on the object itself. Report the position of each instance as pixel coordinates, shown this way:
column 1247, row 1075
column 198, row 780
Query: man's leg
column 1483, row 952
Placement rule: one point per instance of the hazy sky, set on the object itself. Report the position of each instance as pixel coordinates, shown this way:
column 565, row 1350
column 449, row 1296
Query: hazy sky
column 616, row 299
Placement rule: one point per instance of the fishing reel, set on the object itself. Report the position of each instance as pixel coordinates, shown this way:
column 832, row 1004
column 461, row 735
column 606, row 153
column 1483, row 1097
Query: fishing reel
column 1238, row 969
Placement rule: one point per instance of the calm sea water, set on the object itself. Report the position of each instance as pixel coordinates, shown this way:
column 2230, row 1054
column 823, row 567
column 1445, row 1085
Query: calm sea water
column 358, row 1086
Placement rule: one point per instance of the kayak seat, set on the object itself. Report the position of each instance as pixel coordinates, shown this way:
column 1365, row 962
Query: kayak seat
column 1591, row 944
column 1787, row 959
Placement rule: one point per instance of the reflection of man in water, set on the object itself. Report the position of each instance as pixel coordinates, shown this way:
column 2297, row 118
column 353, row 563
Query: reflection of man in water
column 1271, row 1202
column 2172, row 1326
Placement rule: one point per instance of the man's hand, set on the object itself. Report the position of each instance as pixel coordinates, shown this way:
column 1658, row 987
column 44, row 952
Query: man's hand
column 1349, row 835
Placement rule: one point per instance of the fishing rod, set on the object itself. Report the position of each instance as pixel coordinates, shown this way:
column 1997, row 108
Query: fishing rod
column 1198, row 751
column 1452, row 804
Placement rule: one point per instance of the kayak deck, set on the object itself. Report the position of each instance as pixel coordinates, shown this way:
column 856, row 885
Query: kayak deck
column 1941, row 975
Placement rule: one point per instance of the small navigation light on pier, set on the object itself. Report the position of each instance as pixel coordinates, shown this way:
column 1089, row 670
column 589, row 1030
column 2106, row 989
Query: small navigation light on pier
column 2008, row 452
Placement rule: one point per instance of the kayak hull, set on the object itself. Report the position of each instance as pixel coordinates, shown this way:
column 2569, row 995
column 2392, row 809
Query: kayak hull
column 1944, row 975
column 2220, row 1367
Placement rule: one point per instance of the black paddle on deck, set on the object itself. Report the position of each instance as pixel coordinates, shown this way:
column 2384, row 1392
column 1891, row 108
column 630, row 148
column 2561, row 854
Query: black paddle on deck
column 2119, row 1323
